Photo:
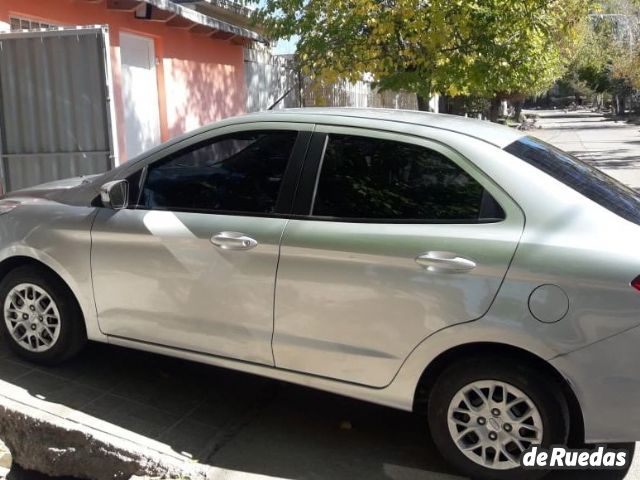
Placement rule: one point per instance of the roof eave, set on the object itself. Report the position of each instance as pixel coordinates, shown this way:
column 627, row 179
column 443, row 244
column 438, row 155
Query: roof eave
column 175, row 15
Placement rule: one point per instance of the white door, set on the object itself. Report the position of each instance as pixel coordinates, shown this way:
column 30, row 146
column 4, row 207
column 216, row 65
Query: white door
column 140, row 93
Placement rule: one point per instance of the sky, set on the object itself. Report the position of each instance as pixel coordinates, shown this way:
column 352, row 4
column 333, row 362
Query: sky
column 284, row 46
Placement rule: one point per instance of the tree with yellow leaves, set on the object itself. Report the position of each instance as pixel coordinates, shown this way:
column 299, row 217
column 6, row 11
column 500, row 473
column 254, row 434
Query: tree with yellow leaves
column 608, row 59
column 492, row 49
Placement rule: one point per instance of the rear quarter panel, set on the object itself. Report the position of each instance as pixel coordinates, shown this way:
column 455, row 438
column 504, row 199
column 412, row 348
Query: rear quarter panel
column 568, row 241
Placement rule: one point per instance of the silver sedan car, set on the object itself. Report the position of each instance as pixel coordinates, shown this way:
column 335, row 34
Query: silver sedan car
column 425, row 262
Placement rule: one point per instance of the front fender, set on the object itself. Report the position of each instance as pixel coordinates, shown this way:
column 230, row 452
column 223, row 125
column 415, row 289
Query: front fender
column 59, row 237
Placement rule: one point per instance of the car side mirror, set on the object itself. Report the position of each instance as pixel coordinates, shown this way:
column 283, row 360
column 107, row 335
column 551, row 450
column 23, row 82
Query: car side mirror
column 115, row 195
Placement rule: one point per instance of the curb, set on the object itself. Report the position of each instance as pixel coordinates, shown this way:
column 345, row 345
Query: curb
column 56, row 440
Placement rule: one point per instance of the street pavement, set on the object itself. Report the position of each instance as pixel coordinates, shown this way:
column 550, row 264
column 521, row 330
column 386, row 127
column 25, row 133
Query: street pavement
column 613, row 146
column 249, row 424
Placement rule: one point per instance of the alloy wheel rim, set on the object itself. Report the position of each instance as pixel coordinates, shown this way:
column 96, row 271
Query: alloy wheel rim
column 32, row 317
column 493, row 423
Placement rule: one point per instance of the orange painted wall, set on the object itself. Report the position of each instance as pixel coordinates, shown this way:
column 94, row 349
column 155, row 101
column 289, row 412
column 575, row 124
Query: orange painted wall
column 200, row 79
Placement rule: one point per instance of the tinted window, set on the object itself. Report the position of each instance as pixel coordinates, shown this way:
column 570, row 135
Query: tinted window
column 583, row 178
column 381, row 179
column 238, row 173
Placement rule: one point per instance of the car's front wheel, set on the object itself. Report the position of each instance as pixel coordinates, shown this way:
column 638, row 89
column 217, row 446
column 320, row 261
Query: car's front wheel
column 485, row 413
column 41, row 320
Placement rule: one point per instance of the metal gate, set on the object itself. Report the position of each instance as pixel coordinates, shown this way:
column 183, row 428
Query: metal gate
column 55, row 113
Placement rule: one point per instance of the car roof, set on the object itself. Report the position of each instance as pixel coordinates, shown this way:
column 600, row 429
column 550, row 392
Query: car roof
column 495, row 134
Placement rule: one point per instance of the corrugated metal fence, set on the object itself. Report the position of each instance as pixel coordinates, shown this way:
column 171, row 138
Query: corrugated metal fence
column 54, row 106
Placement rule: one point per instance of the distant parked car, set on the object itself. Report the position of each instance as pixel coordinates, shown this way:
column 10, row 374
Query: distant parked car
column 426, row 262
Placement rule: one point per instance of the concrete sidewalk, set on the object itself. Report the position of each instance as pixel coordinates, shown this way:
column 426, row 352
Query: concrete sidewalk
column 233, row 425
column 230, row 421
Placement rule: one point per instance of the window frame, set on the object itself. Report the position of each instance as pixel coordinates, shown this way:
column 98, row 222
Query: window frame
column 310, row 177
column 284, row 202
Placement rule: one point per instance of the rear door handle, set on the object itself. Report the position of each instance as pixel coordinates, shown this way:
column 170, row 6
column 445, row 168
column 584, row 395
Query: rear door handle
column 445, row 262
column 233, row 241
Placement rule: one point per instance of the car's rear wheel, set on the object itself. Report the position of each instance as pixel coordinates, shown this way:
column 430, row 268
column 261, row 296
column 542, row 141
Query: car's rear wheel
column 41, row 320
column 484, row 414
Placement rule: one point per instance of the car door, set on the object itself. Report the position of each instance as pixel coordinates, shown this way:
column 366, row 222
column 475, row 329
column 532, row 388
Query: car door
column 192, row 263
column 395, row 237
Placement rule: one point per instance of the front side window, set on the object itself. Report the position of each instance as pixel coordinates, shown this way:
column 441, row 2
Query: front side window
column 370, row 178
column 580, row 176
column 239, row 173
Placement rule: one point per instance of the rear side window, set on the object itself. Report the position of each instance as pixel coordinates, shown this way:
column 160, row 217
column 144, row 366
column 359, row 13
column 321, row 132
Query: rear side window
column 583, row 178
column 238, row 173
column 384, row 180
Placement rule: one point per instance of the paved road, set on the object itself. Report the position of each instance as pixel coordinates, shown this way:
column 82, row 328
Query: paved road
column 612, row 146
column 248, row 424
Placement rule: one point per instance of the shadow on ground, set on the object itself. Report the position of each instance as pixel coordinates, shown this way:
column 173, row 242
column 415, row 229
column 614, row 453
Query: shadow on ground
column 609, row 159
column 241, row 422
column 596, row 126
column 580, row 114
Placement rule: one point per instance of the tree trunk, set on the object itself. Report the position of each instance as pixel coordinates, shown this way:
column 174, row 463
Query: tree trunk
column 423, row 103
column 494, row 110
column 618, row 105
column 456, row 106
column 599, row 102
column 443, row 104
column 518, row 109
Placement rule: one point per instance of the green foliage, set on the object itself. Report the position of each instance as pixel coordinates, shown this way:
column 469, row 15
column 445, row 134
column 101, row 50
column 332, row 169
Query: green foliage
column 608, row 59
column 483, row 48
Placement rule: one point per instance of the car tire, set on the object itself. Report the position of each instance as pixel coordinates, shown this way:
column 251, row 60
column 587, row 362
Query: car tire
column 41, row 319
column 543, row 405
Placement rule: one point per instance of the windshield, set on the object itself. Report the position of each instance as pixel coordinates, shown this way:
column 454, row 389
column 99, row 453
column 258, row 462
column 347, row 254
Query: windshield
column 582, row 177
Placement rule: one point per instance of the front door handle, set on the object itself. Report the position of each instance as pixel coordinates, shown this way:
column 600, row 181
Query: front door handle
column 445, row 262
column 233, row 241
